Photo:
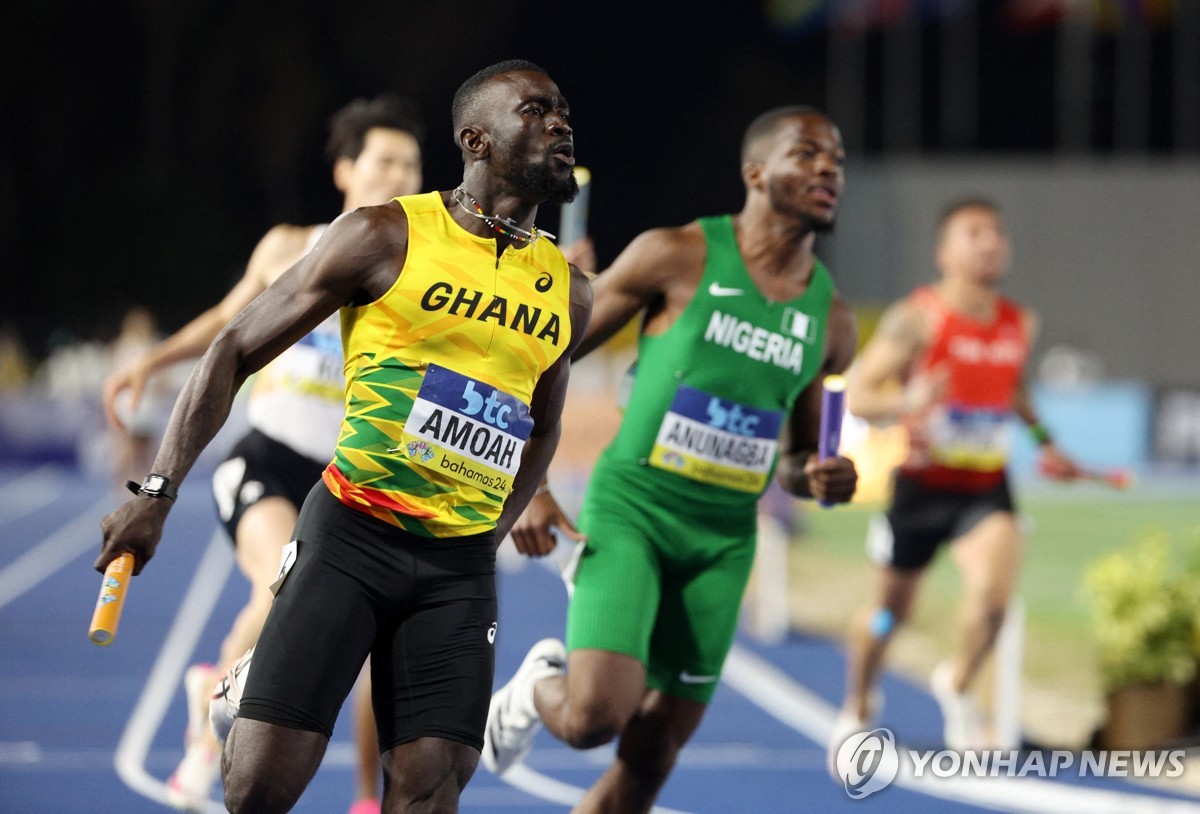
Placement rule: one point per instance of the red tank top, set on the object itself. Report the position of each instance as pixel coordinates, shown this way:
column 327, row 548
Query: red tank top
column 962, row 444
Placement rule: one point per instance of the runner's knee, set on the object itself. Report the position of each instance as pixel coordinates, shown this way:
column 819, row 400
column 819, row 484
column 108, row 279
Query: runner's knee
column 889, row 614
column 594, row 721
column 989, row 601
column 882, row 622
column 255, row 793
column 429, row 770
column 992, row 611
column 266, row 768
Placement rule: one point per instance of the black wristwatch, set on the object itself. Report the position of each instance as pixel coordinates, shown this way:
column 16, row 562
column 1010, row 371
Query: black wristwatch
column 153, row 486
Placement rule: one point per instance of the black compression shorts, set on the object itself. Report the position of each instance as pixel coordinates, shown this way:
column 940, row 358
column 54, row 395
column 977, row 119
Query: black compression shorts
column 424, row 608
column 257, row 467
column 921, row 518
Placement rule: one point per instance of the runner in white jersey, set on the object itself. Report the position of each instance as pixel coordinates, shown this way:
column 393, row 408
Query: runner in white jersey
column 299, row 398
column 295, row 410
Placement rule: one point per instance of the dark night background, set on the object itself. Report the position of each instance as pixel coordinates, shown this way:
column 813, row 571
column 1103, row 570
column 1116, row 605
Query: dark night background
column 146, row 146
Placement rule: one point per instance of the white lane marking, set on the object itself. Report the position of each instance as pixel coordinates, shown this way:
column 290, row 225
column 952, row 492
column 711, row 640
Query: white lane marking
column 54, row 552
column 165, row 677
column 776, row 693
column 31, row 493
column 20, row 753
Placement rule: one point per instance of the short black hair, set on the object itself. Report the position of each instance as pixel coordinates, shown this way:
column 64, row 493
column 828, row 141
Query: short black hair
column 961, row 205
column 764, row 125
column 468, row 92
column 349, row 126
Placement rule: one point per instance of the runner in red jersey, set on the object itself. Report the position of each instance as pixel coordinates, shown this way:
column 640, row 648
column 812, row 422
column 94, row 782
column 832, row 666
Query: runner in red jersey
column 948, row 362
column 961, row 442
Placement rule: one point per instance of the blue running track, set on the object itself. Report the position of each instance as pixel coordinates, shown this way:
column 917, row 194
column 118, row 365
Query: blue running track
column 98, row 729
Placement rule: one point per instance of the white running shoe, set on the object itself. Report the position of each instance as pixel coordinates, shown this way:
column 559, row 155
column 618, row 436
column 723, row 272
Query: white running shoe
column 197, row 683
column 513, row 720
column 846, row 724
column 227, row 697
column 962, row 721
column 191, row 783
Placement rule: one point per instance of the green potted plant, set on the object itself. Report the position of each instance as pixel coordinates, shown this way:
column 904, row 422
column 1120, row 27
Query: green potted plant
column 1145, row 607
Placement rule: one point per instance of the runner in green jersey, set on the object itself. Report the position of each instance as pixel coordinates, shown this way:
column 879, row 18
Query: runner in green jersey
column 740, row 325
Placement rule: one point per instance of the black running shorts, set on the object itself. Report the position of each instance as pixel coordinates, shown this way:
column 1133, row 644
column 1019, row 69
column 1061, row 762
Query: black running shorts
column 257, row 467
column 921, row 518
column 424, row 608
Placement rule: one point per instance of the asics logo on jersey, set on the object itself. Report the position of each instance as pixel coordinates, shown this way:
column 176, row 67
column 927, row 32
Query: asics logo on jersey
column 492, row 634
column 465, row 302
column 718, row 290
column 691, row 678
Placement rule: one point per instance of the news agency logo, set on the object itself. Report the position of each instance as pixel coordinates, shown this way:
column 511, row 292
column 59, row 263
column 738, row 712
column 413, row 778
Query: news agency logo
column 868, row 762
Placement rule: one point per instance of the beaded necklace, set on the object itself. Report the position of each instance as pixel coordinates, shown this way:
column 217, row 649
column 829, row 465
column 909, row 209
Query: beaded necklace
column 508, row 229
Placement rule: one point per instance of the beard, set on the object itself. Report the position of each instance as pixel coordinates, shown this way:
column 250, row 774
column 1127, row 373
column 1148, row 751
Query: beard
column 539, row 182
column 779, row 195
column 818, row 226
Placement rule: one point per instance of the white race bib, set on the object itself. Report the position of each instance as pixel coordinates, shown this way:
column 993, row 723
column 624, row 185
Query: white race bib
column 975, row 439
column 714, row 440
column 467, row 430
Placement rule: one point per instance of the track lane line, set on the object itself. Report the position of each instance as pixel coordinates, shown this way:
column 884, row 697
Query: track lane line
column 775, row 692
column 31, row 493
column 53, row 552
column 208, row 582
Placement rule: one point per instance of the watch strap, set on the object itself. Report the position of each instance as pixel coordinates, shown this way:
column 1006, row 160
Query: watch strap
column 164, row 487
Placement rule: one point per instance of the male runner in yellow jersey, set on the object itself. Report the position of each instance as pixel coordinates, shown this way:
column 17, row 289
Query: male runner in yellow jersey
column 295, row 410
column 458, row 325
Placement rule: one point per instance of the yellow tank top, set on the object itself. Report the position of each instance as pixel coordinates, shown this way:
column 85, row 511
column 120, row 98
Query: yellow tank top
column 440, row 372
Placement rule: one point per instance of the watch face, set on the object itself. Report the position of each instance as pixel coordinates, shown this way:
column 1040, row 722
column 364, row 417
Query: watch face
column 154, row 483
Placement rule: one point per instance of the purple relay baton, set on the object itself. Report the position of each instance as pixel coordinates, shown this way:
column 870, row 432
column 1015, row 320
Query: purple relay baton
column 832, row 407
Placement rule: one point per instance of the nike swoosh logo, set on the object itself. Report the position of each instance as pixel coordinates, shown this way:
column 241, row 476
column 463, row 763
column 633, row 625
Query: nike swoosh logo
column 718, row 290
column 689, row 678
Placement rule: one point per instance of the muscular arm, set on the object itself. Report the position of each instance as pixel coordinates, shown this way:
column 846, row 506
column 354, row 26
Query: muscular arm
column 1053, row 462
column 1022, row 405
column 651, row 274
column 875, row 385
column 359, row 252
column 546, row 409
column 277, row 250
column 652, row 268
column 799, row 471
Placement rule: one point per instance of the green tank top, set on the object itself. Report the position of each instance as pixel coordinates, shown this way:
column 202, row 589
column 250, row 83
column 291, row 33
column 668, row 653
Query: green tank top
column 710, row 395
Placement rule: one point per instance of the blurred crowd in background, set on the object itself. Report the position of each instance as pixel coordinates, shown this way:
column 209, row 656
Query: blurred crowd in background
column 145, row 147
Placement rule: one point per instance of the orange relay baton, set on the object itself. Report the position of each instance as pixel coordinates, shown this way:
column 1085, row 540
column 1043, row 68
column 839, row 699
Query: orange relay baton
column 107, row 615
